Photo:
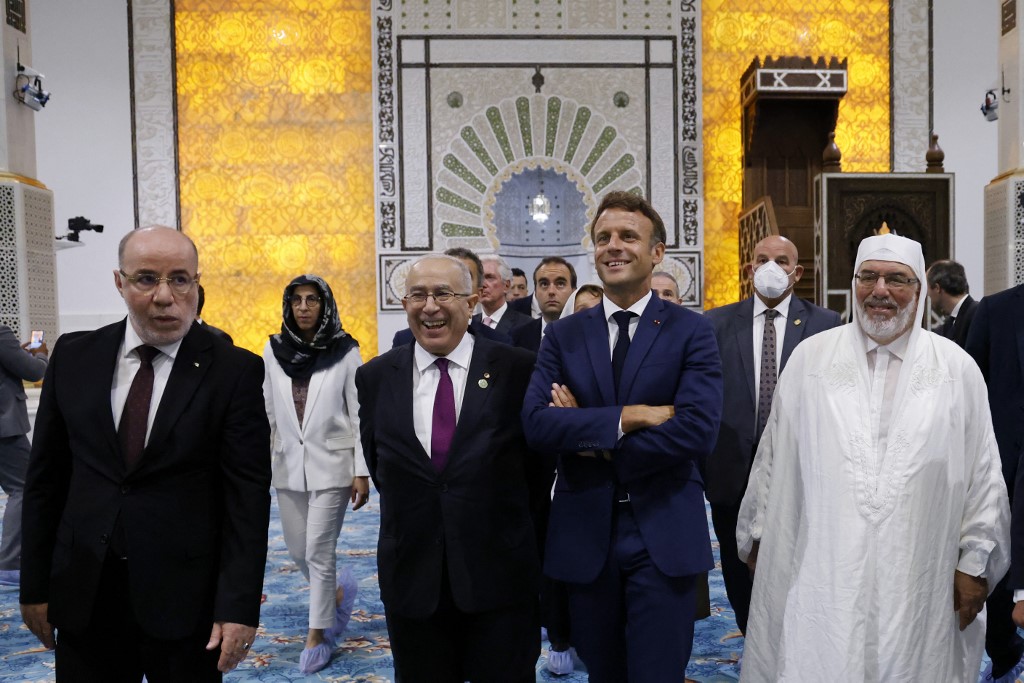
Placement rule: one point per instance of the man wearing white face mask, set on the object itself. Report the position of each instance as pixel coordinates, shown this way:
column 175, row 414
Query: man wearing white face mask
column 750, row 375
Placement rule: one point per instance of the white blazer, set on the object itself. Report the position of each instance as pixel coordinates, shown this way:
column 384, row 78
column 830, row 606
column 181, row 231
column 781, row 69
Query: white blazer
column 325, row 452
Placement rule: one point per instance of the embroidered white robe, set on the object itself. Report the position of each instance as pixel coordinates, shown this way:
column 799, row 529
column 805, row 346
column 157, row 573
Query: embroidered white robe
column 858, row 549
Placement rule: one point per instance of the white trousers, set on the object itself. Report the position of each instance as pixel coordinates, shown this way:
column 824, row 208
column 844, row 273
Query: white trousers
column 312, row 522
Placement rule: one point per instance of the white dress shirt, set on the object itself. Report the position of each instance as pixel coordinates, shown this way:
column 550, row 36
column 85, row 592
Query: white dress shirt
column 496, row 316
column 884, row 364
column 128, row 363
column 634, row 322
column 425, row 378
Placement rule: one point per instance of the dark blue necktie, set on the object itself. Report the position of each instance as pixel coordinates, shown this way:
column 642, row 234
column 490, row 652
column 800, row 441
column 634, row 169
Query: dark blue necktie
column 621, row 318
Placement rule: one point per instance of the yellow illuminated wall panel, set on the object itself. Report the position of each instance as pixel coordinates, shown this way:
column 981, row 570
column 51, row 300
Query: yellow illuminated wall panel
column 733, row 34
column 275, row 142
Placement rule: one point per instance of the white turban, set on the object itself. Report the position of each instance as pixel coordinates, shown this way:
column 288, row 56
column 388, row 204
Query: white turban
column 899, row 250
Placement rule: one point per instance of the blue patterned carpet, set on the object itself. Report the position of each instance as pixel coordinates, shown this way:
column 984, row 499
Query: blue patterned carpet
column 364, row 656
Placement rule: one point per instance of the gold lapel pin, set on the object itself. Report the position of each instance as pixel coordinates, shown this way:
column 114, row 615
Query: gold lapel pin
column 797, row 321
column 487, row 375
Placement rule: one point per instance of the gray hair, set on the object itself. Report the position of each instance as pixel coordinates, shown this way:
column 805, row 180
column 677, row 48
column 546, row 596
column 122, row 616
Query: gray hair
column 670, row 276
column 464, row 274
column 504, row 269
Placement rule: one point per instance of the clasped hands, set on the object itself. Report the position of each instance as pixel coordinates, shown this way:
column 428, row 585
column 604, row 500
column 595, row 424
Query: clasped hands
column 633, row 417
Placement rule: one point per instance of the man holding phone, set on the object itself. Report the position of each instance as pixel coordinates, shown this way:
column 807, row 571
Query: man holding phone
column 18, row 363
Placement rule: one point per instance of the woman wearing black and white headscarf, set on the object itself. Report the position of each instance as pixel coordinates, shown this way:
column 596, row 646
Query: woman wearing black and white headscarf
column 318, row 463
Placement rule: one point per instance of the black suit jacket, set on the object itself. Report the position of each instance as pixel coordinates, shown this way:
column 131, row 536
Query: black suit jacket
column 958, row 328
column 194, row 511
column 217, row 331
column 996, row 342
column 476, row 328
column 528, row 336
column 474, row 516
column 728, row 468
column 510, row 321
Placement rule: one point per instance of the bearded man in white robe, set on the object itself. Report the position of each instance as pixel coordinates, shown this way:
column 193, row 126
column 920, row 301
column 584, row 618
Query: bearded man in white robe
column 876, row 514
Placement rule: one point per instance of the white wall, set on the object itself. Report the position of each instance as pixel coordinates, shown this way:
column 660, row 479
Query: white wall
column 83, row 145
column 966, row 43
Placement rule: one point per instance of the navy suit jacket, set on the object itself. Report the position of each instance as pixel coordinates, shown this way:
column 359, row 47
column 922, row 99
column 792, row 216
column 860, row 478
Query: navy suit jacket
column 528, row 336
column 476, row 328
column 672, row 360
column 728, row 468
column 473, row 516
column 996, row 341
column 194, row 510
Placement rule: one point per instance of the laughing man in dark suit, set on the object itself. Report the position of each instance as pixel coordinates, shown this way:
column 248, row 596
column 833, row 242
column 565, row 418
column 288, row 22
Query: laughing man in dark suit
column 456, row 557
column 147, row 500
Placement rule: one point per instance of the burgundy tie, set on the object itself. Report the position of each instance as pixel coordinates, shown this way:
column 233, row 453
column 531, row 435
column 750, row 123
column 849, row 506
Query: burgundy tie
column 443, row 424
column 135, row 416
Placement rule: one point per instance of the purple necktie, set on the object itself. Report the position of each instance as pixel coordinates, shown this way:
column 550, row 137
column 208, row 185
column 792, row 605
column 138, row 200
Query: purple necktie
column 443, row 424
column 135, row 415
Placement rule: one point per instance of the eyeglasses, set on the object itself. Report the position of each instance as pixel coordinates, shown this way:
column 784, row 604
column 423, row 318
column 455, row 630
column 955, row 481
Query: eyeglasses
column 311, row 300
column 440, row 298
column 147, row 282
column 867, row 280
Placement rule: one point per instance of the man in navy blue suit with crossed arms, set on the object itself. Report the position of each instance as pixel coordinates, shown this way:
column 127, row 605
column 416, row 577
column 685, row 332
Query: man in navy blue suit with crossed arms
column 629, row 393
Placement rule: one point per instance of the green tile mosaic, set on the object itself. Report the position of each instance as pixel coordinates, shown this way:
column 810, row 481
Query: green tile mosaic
column 551, row 130
column 625, row 162
column 600, row 147
column 470, row 137
column 459, row 169
column 579, row 126
column 525, row 128
column 446, row 196
column 500, row 133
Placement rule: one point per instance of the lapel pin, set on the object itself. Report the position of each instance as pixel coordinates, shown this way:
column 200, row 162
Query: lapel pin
column 482, row 384
column 196, row 364
column 797, row 321
column 487, row 375
column 657, row 322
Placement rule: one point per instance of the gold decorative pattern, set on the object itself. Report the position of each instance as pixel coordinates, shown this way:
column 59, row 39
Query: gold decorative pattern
column 733, row 33
column 275, row 144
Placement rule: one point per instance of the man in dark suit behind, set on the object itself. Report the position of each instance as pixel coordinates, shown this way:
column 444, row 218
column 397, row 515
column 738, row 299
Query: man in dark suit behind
column 629, row 393
column 18, row 363
column 554, row 279
column 996, row 342
column 947, row 289
column 456, row 557
column 740, row 330
column 147, row 501
column 495, row 310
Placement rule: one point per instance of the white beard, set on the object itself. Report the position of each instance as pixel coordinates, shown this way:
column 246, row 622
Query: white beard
column 885, row 331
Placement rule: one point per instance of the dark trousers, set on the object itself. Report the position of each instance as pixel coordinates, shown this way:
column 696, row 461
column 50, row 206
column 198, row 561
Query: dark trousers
column 115, row 649
column 738, row 584
column 554, row 601
column 1003, row 645
column 452, row 646
column 633, row 623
